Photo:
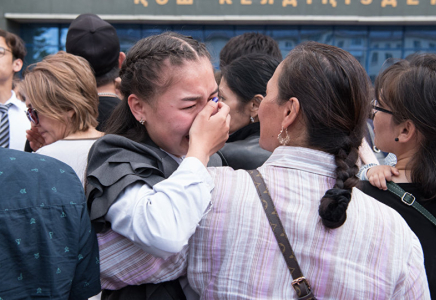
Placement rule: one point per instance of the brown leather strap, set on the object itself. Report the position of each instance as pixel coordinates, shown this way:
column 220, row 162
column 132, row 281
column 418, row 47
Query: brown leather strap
column 300, row 283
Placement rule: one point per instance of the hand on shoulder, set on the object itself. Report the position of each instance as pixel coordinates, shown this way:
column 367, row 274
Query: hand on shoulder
column 379, row 175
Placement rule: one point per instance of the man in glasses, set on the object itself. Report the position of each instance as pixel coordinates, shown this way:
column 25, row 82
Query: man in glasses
column 13, row 120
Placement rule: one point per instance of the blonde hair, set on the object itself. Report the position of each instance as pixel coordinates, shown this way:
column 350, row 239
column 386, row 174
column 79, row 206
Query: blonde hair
column 61, row 83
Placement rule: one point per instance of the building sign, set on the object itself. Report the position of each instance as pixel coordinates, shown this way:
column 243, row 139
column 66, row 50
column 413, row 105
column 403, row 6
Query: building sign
column 211, row 11
column 244, row 7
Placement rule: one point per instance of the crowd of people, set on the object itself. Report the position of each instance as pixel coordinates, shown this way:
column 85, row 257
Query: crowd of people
column 154, row 176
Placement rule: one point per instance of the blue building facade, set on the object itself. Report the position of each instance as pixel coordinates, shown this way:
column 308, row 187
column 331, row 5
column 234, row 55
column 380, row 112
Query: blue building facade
column 371, row 45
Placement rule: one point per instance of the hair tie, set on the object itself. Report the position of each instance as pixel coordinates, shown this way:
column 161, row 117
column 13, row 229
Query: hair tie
column 333, row 211
column 338, row 194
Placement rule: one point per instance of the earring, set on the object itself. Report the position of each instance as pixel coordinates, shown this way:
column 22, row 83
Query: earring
column 396, row 139
column 251, row 119
column 141, row 121
column 283, row 141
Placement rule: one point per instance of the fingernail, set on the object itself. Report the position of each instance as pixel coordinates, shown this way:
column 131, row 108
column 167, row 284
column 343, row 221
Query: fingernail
column 215, row 99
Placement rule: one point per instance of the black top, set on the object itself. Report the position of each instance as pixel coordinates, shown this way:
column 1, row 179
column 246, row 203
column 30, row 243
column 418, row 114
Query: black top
column 106, row 106
column 422, row 227
column 115, row 162
column 242, row 150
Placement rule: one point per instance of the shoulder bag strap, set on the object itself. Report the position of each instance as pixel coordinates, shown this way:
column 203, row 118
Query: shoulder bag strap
column 409, row 199
column 300, row 283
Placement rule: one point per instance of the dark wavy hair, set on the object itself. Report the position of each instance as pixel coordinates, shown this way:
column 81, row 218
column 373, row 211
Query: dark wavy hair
column 142, row 74
column 408, row 88
column 15, row 43
column 246, row 43
column 248, row 75
column 332, row 88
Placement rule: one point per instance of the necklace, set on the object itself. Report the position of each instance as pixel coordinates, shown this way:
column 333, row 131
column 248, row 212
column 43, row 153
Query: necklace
column 108, row 94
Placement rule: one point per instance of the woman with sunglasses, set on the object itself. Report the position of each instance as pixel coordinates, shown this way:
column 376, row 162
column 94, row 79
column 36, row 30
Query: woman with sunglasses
column 404, row 126
column 61, row 96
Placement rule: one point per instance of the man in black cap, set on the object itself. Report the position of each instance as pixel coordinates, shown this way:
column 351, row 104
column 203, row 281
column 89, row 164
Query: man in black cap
column 97, row 41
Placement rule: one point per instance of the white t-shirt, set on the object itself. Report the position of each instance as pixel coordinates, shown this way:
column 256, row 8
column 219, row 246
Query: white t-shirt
column 72, row 152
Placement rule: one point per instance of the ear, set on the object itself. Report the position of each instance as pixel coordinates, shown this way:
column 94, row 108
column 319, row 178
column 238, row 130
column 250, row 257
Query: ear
column 69, row 117
column 17, row 64
column 137, row 107
column 121, row 59
column 407, row 131
column 291, row 110
column 254, row 105
column 70, row 114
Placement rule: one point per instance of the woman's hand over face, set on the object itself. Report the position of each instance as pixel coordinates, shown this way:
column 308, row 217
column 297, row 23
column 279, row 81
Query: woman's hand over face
column 209, row 131
column 36, row 141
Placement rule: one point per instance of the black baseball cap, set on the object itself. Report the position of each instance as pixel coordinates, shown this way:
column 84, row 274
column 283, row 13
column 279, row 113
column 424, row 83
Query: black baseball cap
column 95, row 40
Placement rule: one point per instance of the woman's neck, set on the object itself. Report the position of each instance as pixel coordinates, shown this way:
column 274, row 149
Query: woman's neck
column 404, row 164
column 91, row 133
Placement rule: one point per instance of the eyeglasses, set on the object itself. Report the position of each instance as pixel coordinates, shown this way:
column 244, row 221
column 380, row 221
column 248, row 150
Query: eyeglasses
column 376, row 108
column 32, row 115
column 3, row 51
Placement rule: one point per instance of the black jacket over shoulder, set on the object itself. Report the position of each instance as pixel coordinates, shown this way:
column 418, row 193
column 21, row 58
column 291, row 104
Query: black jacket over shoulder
column 423, row 228
column 114, row 163
column 242, row 150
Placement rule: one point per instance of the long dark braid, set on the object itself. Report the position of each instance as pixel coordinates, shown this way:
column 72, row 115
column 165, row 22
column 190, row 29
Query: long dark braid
column 332, row 88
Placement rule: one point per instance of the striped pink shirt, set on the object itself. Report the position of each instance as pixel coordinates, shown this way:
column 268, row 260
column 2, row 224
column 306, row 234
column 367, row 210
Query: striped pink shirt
column 234, row 255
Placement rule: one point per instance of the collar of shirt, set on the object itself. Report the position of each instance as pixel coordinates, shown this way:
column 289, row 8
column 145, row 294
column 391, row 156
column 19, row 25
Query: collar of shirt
column 177, row 159
column 305, row 159
column 15, row 101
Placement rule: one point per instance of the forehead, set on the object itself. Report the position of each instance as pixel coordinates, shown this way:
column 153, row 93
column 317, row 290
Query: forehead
column 190, row 79
column 187, row 66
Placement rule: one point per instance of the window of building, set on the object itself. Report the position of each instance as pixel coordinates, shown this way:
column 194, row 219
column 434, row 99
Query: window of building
column 374, row 58
column 371, row 45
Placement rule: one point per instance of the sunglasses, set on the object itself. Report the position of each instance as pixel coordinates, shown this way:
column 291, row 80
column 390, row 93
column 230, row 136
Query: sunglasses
column 376, row 108
column 32, row 115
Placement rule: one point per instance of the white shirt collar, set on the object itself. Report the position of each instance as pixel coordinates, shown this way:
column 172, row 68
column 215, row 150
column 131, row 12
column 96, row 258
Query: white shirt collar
column 14, row 100
column 304, row 159
column 177, row 159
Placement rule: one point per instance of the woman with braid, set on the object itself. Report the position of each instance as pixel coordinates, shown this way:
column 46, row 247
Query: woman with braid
column 347, row 244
